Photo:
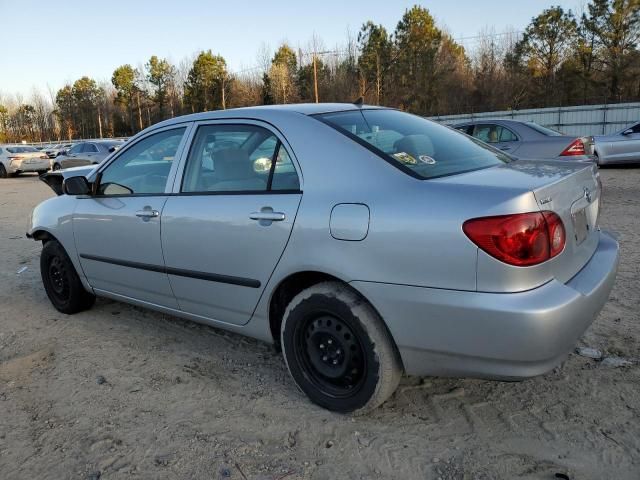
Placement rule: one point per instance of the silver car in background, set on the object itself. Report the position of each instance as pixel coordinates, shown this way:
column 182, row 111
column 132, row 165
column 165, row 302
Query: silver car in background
column 17, row 159
column 619, row 147
column 363, row 241
column 86, row 153
column 528, row 140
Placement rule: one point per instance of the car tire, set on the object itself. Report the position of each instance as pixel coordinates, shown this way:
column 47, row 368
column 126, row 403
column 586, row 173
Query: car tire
column 61, row 281
column 56, row 167
column 338, row 350
column 3, row 171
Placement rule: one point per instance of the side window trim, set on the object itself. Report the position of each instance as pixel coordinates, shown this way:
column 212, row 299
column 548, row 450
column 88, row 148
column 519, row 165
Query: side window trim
column 191, row 135
column 141, row 136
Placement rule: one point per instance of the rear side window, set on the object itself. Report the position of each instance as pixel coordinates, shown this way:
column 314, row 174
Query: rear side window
column 21, row 149
column 492, row 133
column 238, row 158
column 419, row 147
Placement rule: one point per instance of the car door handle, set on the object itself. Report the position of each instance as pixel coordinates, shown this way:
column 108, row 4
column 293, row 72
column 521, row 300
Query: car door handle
column 505, row 148
column 268, row 216
column 147, row 213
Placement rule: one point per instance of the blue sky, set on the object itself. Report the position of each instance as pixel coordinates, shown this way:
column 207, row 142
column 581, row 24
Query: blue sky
column 49, row 42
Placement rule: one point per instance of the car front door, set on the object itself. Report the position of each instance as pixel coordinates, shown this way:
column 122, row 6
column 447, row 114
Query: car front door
column 89, row 154
column 229, row 220
column 117, row 229
column 70, row 158
column 627, row 146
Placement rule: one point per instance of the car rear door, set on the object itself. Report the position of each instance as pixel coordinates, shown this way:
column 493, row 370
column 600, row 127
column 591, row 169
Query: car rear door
column 498, row 136
column 117, row 230
column 229, row 220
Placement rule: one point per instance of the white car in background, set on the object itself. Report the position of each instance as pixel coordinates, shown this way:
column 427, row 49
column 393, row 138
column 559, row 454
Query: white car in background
column 16, row 159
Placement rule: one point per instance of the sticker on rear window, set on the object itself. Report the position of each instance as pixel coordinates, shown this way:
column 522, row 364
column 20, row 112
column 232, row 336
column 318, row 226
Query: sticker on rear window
column 427, row 159
column 405, row 158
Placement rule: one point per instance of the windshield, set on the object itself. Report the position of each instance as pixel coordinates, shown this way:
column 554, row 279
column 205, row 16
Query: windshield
column 544, row 130
column 21, row 149
column 419, row 147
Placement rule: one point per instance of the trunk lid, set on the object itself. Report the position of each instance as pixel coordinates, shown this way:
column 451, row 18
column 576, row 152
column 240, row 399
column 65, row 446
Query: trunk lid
column 570, row 189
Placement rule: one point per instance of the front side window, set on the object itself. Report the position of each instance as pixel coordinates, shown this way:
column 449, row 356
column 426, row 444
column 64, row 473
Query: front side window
column 419, row 147
column 76, row 149
column 144, row 167
column 89, row 148
column 237, row 158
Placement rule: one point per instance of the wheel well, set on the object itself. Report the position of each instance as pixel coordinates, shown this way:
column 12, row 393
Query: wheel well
column 284, row 293
column 42, row 235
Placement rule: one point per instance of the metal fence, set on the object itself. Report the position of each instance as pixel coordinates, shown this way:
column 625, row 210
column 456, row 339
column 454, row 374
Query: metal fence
column 583, row 120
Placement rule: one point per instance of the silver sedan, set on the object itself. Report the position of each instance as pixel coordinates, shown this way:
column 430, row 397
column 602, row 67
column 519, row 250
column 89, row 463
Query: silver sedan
column 528, row 140
column 619, row 147
column 365, row 242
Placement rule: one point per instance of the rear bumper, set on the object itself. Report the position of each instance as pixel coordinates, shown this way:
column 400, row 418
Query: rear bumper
column 494, row 335
column 29, row 166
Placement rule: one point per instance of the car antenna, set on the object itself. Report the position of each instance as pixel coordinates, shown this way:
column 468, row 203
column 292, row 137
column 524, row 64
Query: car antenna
column 359, row 101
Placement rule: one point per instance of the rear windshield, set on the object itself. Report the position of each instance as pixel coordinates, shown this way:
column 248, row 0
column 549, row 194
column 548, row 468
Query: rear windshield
column 419, row 147
column 544, row 130
column 21, row 149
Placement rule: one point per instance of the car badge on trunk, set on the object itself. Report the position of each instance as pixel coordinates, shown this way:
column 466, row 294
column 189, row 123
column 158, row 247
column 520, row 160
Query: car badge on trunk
column 587, row 194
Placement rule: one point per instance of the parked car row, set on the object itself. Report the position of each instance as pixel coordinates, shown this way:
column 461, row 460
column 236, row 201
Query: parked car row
column 528, row 140
column 19, row 158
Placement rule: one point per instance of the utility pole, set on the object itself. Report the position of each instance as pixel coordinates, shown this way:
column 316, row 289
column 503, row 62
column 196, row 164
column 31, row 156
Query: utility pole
column 224, row 103
column 315, row 76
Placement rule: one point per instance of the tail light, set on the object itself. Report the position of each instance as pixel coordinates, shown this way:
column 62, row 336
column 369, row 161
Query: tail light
column 575, row 148
column 522, row 239
column 43, row 156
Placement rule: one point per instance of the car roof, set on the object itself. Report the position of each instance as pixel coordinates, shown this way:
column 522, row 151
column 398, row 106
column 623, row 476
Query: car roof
column 261, row 110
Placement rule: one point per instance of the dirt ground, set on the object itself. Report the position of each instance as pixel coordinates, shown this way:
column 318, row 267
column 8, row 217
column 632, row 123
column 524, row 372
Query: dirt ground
column 120, row 392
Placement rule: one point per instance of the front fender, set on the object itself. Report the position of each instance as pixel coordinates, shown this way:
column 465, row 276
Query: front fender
column 53, row 219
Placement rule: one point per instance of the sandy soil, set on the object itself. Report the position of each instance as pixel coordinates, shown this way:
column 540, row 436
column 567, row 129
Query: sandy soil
column 120, row 392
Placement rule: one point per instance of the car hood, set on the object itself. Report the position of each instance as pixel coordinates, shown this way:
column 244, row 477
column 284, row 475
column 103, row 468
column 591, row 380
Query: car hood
column 55, row 179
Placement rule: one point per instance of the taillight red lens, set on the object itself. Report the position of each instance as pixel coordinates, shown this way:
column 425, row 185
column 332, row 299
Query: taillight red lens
column 521, row 239
column 557, row 236
column 575, row 148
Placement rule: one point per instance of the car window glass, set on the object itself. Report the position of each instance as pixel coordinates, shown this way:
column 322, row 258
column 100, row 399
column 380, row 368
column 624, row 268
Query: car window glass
column 284, row 173
column 636, row 128
column 76, row 148
column 419, row 147
column 506, row 135
column 487, row 133
column 89, row 148
column 230, row 158
column 144, row 167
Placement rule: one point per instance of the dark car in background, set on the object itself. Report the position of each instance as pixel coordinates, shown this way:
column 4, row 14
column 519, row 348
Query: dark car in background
column 528, row 140
column 86, row 153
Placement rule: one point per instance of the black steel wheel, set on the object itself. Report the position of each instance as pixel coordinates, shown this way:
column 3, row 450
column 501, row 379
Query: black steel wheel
column 331, row 354
column 338, row 350
column 61, row 281
column 3, row 171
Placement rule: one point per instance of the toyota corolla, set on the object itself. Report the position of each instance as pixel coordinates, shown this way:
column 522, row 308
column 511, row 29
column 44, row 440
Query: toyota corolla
column 365, row 242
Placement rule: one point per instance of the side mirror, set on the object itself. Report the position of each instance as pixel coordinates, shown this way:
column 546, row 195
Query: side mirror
column 76, row 186
column 628, row 131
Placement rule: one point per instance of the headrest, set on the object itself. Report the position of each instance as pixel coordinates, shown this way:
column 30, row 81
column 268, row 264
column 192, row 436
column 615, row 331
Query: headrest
column 233, row 164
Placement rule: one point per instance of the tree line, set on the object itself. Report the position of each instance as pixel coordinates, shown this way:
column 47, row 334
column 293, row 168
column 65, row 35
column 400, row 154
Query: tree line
column 560, row 58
